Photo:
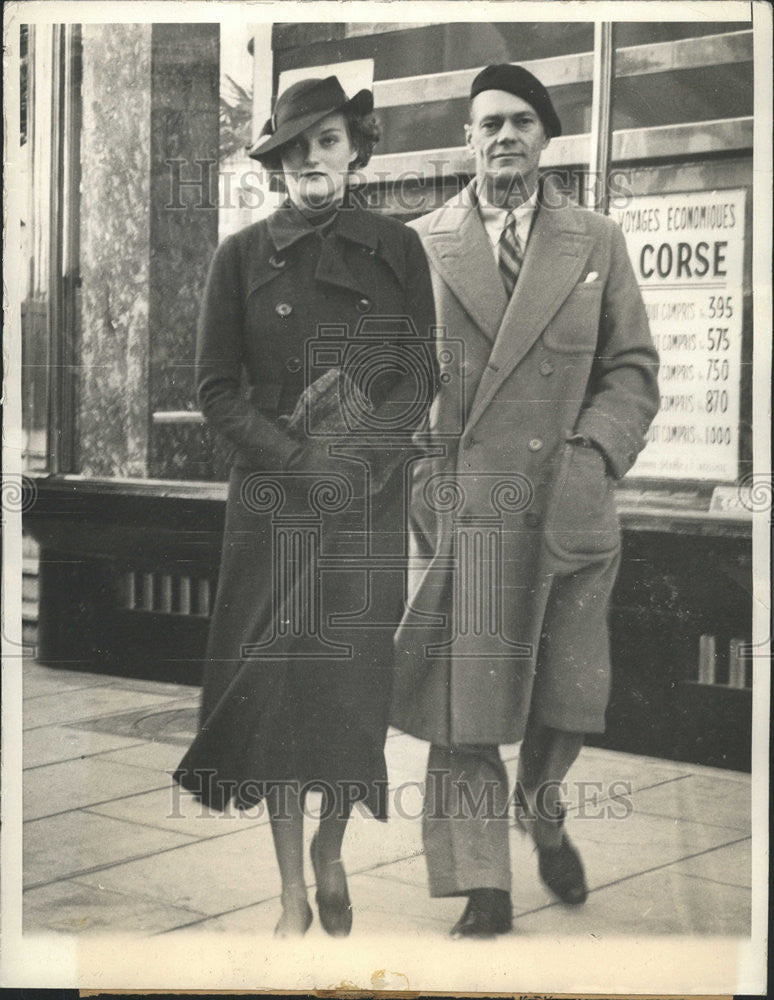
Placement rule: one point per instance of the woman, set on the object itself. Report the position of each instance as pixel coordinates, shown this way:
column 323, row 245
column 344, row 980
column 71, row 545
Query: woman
column 311, row 307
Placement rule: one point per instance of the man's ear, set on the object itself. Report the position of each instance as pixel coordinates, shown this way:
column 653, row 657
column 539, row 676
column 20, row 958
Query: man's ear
column 468, row 135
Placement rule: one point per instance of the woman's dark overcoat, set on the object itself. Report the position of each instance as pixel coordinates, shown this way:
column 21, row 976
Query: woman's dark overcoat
column 290, row 691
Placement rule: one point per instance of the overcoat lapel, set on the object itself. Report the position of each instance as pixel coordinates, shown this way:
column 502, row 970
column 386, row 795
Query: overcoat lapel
column 557, row 251
column 351, row 226
column 460, row 249
column 333, row 270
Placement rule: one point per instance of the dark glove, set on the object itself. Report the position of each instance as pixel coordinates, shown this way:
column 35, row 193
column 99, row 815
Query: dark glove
column 320, row 408
column 314, row 459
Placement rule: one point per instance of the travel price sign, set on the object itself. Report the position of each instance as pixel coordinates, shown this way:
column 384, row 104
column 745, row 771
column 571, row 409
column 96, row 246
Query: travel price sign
column 687, row 252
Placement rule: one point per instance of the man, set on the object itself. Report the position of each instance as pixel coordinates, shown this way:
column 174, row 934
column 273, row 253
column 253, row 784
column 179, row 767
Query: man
column 548, row 387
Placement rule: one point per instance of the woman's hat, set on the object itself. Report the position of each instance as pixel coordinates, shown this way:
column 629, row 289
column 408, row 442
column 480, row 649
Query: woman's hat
column 303, row 104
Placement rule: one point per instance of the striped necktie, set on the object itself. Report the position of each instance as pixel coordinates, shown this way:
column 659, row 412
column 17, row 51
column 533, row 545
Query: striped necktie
column 510, row 254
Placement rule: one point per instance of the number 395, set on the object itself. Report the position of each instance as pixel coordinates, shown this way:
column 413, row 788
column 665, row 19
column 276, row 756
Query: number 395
column 721, row 306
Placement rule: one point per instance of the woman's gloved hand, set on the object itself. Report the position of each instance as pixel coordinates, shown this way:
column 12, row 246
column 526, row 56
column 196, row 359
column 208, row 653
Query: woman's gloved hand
column 314, row 458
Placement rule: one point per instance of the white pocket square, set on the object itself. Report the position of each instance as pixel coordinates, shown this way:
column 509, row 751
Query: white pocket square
column 591, row 276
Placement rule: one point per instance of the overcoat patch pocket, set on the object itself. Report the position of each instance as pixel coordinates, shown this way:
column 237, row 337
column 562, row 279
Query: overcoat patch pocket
column 575, row 327
column 582, row 520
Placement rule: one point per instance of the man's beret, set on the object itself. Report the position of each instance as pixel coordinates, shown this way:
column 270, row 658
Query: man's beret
column 520, row 82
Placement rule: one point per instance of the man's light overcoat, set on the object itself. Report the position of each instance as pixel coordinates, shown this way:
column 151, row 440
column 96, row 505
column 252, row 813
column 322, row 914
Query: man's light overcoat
column 515, row 536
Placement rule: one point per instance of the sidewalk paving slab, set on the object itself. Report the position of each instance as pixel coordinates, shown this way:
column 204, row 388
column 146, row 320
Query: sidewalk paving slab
column 72, row 907
column 84, row 841
column 154, row 755
column 711, row 801
column 662, row 902
column 614, row 849
column 69, row 706
column 173, row 809
column 729, row 865
column 55, row 744
column 40, row 685
column 72, row 784
column 211, row 876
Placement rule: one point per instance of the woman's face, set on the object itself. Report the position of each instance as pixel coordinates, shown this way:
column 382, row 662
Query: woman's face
column 316, row 163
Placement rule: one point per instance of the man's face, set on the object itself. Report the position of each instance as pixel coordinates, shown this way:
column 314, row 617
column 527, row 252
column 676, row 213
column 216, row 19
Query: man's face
column 507, row 137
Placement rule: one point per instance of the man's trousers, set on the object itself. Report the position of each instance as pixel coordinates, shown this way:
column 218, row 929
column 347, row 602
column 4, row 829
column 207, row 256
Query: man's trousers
column 468, row 807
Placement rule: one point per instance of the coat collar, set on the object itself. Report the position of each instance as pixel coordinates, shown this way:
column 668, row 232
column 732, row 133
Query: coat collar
column 365, row 230
column 353, row 225
column 287, row 225
column 356, row 224
column 457, row 242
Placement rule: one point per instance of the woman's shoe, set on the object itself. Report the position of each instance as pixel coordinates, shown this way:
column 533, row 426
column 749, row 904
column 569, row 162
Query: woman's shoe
column 334, row 908
column 296, row 917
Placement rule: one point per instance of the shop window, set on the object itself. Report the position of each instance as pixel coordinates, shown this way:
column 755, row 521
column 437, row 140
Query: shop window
column 684, row 202
column 648, row 32
column 694, row 96
column 51, row 70
column 430, row 49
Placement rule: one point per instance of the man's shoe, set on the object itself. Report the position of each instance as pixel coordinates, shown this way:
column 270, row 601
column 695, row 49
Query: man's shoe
column 487, row 914
column 560, row 867
column 562, row 871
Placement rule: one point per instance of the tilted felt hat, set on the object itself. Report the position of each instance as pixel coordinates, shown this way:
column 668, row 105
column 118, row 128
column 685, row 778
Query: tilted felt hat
column 521, row 83
column 303, row 104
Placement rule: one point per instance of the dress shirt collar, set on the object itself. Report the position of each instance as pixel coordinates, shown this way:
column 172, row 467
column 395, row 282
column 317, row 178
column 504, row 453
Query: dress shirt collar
column 494, row 217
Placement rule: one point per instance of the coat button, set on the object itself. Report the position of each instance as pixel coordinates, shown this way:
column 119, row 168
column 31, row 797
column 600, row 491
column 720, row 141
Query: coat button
column 546, row 368
column 283, row 309
column 293, row 364
column 364, row 305
column 276, row 261
column 532, row 519
column 535, row 444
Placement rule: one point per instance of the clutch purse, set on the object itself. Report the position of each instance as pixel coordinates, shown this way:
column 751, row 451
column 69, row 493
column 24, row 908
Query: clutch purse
column 319, row 413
